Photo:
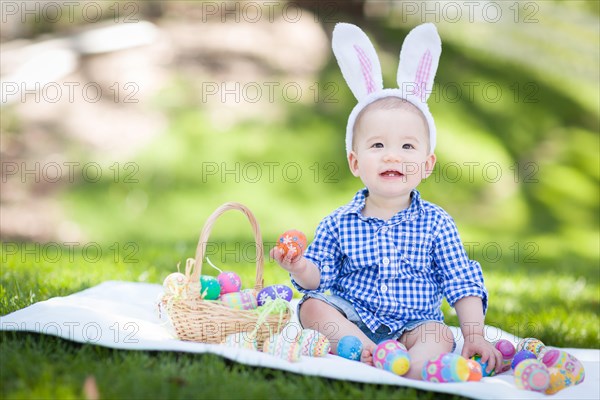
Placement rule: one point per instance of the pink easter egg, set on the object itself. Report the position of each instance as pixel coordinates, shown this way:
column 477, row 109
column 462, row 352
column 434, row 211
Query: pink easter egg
column 507, row 350
column 230, row 282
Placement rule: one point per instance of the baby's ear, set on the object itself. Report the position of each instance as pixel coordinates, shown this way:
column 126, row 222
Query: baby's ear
column 419, row 59
column 357, row 59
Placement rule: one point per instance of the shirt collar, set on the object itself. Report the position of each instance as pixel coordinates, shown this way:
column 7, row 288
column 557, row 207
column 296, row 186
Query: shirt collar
column 412, row 212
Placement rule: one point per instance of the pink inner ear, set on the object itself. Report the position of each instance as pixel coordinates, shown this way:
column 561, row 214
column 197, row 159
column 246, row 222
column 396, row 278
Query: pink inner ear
column 422, row 75
column 366, row 67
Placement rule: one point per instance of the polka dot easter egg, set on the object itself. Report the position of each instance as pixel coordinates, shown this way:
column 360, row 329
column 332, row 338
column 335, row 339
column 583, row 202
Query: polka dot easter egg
column 273, row 292
column 532, row 375
column 230, row 282
column 391, row 355
column 445, row 368
column 350, row 347
column 293, row 242
column 314, row 343
column 175, row 283
column 209, row 287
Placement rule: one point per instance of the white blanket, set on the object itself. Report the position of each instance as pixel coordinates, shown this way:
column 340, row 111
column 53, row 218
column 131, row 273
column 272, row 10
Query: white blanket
column 123, row 315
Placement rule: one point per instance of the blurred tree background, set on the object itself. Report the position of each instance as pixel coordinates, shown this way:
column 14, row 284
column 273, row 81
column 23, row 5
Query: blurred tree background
column 243, row 101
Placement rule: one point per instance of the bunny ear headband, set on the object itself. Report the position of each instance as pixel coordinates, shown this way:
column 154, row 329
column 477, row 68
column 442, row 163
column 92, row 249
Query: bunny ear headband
column 361, row 69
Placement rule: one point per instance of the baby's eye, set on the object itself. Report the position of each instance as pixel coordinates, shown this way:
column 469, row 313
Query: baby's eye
column 377, row 145
column 407, row 146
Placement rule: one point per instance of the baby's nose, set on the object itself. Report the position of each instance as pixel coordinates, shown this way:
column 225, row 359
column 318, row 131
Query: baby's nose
column 392, row 156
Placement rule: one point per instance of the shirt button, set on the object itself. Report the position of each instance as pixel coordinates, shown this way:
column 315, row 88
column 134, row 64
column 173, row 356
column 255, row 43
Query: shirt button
column 326, row 269
column 384, row 229
column 386, row 261
column 384, row 288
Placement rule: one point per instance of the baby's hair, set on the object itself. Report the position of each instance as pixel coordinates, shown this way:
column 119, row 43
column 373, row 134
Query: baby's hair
column 389, row 103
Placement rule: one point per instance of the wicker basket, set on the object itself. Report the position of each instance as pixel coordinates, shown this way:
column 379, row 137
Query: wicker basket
column 210, row 321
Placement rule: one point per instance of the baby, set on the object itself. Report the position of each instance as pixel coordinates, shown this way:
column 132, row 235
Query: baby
column 388, row 257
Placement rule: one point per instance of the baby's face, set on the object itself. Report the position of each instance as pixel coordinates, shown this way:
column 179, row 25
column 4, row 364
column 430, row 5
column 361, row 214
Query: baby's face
column 391, row 151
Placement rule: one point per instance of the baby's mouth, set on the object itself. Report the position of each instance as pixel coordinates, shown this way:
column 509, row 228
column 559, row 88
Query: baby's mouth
column 391, row 173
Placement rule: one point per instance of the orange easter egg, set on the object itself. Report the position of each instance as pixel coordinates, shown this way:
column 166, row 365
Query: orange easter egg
column 292, row 241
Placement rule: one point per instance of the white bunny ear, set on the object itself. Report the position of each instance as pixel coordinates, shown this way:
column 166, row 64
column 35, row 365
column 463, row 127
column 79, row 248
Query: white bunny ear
column 357, row 59
column 419, row 59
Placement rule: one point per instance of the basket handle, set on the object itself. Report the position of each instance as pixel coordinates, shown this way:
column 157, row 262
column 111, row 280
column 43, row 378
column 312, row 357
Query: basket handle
column 201, row 248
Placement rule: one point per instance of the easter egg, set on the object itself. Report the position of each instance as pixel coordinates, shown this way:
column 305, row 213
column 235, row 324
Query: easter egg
column 244, row 300
column 273, row 292
column 484, row 365
column 230, row 282
column 559, row 380
column 314, row 343
column 175, row 283
column 532, row 344
column 532, row 375
column 475, row 373
column 350, row 347
column 507, row 350
column 283, row 347
column 447, row 367
column 241, row 340
column 520, row 356
column 391, row 355
column 209, row 287
column 560, row 359
column 292, row 241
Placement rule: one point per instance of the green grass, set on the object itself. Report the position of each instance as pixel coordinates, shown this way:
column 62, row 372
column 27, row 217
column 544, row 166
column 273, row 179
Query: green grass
column 37, row 366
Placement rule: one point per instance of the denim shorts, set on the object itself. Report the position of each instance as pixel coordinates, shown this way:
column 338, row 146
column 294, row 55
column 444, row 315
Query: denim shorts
column 347, row 309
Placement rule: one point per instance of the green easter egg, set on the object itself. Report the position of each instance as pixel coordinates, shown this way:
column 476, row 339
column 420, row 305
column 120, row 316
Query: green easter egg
column 209, row 287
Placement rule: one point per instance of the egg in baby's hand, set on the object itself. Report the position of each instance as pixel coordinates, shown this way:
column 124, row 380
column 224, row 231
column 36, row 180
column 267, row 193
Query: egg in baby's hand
column 293, row 242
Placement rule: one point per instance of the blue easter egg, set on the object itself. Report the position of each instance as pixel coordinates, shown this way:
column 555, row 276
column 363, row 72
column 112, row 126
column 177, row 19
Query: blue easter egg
column 350, row 347
column 484, row 365
column 521, row 356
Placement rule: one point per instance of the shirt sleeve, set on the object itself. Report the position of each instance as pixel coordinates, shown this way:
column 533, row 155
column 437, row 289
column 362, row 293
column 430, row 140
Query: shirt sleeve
column 461, row 276
column 325, row 252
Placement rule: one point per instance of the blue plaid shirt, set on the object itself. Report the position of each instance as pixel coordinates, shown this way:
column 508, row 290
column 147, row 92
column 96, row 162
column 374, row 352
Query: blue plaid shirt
column 397, row 270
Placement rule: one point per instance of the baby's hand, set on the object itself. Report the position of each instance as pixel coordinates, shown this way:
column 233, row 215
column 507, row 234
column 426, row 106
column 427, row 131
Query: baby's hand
column 476, row 344
column 289, row 250
column 291, row 260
